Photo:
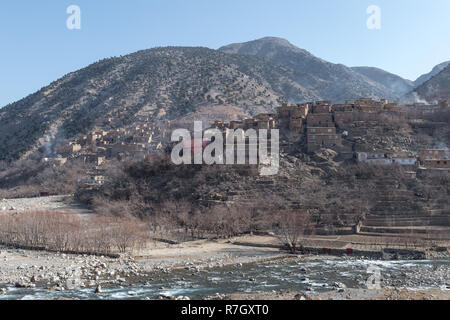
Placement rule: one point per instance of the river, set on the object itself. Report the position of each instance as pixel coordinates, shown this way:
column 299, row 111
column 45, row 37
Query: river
column 313, row 274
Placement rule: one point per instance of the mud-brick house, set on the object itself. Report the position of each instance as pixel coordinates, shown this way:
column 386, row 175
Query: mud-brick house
column 434, row 154
column 56, row 162
column 392, row 107
column 68, row 149
column 266, row 121
column 404, row 159
column 115, row 150
column 368, row 109
column 341, row 107
column 250, row 124
column 444, row 104
column 236, row 125
column 321, row 130
column 220, row 125
column 93, row 159
column 343, row 117
column 322, row 107
column 304, row 108
column 320, row 120
column 265, row 116
column 435, row 158
column 374, row 158
column 386, row 158
column 284, row 111
column 300, row 110
column 368, row 105
column 437, row 164
column 317, row 141
column 296, row 125
column 265, row 124
column 365, row 102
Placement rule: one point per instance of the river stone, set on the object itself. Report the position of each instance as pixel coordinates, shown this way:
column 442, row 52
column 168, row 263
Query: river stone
column 339, row 285
column 21, row 285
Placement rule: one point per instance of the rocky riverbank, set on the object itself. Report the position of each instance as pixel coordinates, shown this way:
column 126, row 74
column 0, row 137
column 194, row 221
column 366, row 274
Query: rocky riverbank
column 438, row 275
column 31, row 269
column 207, row 265
column 346, row 294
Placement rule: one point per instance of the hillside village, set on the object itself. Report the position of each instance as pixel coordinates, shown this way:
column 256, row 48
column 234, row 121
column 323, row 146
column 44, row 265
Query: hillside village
column 320, row 124
column 332, row 127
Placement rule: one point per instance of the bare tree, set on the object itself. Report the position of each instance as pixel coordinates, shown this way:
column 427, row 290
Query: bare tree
column 291, row 226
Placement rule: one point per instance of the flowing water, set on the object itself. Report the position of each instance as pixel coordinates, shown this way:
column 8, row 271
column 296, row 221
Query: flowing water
column 313, row 274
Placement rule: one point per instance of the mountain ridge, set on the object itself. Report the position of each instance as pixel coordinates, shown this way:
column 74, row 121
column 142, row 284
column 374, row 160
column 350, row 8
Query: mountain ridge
column 331, row 81
column 427, row 76
column 165, row 83
column 397, row 84
column 436, row 88
column 173, row 83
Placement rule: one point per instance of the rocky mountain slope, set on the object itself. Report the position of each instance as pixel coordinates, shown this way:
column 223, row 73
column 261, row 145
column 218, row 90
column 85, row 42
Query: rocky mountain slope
column 396, row 84
column 327, row 80
column 176, row 83
column 436, row 88
column 163, row 83
column 425, row 77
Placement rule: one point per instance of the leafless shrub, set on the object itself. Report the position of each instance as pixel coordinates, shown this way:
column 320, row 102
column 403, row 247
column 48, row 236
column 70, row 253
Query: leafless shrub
column 125, row 234
column 65, row 232
column 27, row 178
column 112, row 208
column 291, row 226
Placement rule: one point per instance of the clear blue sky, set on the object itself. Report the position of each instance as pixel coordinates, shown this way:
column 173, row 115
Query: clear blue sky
column 37, row 48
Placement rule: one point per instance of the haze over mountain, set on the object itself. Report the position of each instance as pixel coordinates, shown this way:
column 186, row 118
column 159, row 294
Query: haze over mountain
column 397, row 84
column 436, row 88
column 425, row 77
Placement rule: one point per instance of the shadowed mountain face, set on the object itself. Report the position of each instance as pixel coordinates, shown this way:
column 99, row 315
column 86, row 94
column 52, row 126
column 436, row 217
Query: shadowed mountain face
column 436, row 88
column 425, row 77
column 327, row 80
column 396, row 84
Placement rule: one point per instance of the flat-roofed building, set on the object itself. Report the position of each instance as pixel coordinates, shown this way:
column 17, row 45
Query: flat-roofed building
column 342, row 117
column 320, row 120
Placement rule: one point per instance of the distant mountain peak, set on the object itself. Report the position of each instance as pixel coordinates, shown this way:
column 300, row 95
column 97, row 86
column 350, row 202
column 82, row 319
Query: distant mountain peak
column 336, row 82
column 273, row 39
column 263, row 47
